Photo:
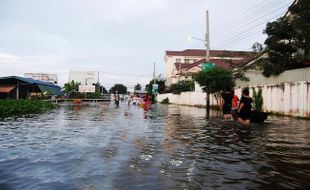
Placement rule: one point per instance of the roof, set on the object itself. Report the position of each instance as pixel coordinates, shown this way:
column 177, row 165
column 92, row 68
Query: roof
column 213, row 53
column 10, row 79
column 221, row 62
column 44, row 86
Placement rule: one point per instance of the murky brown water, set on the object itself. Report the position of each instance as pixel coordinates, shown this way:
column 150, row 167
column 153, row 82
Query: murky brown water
column 168, row 147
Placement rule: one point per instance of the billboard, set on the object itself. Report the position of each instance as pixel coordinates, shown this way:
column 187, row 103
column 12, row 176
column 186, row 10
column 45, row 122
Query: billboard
column 51, row 78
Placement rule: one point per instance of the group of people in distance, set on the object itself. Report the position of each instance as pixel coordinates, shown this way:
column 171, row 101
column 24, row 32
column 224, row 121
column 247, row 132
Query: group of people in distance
column 143, row 102
column 235, row 109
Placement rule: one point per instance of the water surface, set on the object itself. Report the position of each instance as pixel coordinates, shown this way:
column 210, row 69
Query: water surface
column 168, row 147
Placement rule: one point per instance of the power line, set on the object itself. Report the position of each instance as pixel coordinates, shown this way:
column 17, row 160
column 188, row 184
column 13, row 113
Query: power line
column 250, row 23
column 241, row 36
column 250, row 14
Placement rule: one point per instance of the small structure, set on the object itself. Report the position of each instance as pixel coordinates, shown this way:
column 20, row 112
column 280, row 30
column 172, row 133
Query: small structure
column 14, row 87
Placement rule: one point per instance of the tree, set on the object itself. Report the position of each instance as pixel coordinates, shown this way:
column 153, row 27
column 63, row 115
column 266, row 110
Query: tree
column 286, row 37
column 138, row 87
column 182, row 86
column 214, row 80
column 71, row 87
column 257, row 47
column 120, row 88
column 161, row 86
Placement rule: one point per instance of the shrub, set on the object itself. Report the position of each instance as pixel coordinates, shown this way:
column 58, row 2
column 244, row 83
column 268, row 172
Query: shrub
column 23, row 107
column 165, row 101
column 182, row 86
column 258, row 100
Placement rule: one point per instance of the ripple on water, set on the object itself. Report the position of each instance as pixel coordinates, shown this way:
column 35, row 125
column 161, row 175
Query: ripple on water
column 168, row 147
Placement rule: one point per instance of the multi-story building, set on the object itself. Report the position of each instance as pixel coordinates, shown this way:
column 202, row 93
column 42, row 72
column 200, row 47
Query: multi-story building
column 51, row 78
column 87, row 80
column 180, row 65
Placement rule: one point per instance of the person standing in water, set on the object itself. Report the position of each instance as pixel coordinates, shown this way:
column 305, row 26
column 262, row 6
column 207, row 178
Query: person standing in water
column 116, row 98
column 244, row 111
column 227, row 98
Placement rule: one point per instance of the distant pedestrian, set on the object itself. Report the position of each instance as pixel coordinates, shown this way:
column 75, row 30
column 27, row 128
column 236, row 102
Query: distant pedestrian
column 245, row 107
column 234, row 104
column 227, row 98
column 116, row 98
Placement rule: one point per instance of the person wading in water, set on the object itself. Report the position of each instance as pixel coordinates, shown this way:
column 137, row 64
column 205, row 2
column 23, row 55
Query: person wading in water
column 244, row 111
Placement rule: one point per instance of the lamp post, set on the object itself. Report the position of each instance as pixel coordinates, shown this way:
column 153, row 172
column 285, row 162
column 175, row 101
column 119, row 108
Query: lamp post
column 207, row 45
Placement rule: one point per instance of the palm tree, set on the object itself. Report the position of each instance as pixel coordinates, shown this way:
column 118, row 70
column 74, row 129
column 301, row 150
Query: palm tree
column 71, row 87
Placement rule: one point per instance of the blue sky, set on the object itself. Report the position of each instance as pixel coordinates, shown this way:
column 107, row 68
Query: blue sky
column 121, row 38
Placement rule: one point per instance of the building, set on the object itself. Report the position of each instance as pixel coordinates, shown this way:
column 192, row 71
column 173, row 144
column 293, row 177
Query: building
column 87, row 80
column 14, row 87
column 51, row 78
column 180, row 65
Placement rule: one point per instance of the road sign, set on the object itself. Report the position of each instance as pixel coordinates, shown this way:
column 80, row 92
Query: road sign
column 154, row 88
column 207, row 66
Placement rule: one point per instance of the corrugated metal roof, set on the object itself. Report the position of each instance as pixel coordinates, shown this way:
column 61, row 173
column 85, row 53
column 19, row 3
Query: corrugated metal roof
column 44, row 86
column 28, row 80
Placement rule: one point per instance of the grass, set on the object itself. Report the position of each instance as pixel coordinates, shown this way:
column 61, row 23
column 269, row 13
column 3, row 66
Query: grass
column 10, row 108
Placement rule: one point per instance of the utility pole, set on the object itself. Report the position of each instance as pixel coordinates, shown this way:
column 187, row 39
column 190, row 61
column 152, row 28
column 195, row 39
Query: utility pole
column 207, row 44
column 154, row 74
column 207, row 40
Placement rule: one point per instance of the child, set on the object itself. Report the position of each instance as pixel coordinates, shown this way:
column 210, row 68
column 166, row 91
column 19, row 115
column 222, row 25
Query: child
column 234, row 105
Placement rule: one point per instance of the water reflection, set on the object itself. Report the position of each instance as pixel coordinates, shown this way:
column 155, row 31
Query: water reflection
column 167, row 147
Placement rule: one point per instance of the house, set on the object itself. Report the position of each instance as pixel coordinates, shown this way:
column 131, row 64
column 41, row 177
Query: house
column 14, row 87
column 180, row 65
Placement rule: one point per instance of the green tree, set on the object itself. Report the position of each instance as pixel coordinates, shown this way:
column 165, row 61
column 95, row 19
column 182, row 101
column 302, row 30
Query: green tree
column 182, row 86
column 137, row 87
column 71, row 88
column 214, row 80
column 286, row 38
column 120, row 88
column 161, row 86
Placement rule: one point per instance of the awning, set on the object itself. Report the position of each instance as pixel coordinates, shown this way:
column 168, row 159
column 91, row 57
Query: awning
column 6, row 89
column 49, row 90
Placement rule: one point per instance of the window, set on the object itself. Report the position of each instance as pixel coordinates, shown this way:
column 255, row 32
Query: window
column 187, row 60
column 178, row 60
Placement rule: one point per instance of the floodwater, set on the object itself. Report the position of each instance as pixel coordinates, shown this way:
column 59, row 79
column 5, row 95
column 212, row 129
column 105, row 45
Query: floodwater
column 168, row 147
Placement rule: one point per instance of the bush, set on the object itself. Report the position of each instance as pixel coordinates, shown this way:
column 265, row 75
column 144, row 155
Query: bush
column 165, row 101
column 93, row 95
column 23, row 107
column 182, row 86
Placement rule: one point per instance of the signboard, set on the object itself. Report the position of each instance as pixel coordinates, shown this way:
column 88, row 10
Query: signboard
column 208, row 66
column 154, row 88
column 87, row 88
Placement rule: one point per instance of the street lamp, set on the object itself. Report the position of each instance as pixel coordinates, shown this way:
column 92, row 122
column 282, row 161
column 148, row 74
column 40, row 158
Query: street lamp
column 205, row 42
column 207, row 45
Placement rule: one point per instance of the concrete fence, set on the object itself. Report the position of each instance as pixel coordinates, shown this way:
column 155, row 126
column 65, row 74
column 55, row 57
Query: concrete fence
column 288, row 94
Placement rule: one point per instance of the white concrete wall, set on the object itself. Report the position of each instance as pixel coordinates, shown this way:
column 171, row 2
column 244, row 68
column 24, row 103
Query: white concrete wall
column 287, row 98
column 196, row 98
column 290, row 98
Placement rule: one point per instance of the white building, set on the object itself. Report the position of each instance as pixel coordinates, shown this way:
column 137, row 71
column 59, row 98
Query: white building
column 87, row 80
column 180, row 65
column 52, row 78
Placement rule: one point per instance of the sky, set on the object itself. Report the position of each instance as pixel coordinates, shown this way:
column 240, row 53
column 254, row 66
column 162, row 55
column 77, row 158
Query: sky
column 122, row 38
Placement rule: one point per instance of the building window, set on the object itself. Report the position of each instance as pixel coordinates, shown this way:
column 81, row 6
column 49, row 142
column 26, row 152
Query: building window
column 187, row 60
column 178, row 60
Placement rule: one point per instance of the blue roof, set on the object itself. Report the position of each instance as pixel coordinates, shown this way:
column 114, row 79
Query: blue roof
column 30, row 80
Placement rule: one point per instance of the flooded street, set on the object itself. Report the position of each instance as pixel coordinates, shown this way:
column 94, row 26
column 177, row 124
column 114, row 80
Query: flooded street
column 168, row 147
